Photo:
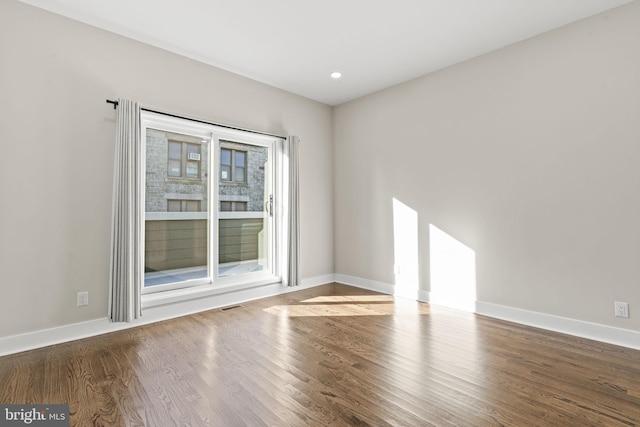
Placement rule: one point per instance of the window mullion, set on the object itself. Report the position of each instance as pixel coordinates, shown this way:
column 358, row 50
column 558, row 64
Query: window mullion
column 233, row 165
column 214, row 207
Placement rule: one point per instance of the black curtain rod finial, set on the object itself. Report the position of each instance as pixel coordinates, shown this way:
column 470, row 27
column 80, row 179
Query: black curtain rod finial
column 115, row 103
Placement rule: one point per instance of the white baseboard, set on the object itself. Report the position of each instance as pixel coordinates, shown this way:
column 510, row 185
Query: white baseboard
column 359, row 282
column 579, row 328
column 451, row 302
column 45, row 337
column 317, row 281
column 385, row 288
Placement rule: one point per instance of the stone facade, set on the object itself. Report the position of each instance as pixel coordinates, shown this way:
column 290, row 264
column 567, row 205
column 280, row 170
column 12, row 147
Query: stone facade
column 162, row 187
column 252, row 191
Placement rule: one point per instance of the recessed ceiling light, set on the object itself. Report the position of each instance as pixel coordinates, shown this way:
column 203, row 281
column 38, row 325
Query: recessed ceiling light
column 336, row 75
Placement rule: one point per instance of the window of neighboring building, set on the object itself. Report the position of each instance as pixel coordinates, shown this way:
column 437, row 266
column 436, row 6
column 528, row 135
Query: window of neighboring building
column 229, row 206
column 183, row 205
column 184, row 160
column 233, row 165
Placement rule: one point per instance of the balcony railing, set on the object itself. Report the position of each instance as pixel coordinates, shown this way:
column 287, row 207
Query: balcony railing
column 176, row 241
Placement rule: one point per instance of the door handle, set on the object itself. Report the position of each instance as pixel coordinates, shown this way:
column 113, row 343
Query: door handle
column 271, row 205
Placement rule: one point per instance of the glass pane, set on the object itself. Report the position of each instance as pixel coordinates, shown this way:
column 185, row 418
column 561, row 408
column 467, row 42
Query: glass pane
column 244, row 236
column 225, row 173
column 174, row 206
column 193, row 149
column 192, row 205
column 192, row 169
column 174, row 150
column 175, row 168
column 240, row 158
column 240, row 175
column 225, row 157
column 176, row 244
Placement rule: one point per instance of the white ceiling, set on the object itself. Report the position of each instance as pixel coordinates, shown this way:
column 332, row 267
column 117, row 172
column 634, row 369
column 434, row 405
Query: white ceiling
column 296, row 44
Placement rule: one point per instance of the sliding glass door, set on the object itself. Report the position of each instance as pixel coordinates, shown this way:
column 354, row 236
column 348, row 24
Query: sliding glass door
column 210, row 205
column 245, row 189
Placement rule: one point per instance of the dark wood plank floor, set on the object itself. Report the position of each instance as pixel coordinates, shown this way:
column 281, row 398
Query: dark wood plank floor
column 331, row 355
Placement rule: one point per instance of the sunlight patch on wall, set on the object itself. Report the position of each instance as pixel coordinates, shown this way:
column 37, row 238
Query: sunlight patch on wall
column 405, row 250
column 453, row 271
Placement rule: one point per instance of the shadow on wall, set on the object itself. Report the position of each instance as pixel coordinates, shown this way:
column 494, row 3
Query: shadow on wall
column 452, row 263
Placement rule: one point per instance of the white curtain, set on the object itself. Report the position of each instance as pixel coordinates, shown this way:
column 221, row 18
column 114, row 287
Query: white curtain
column 292, row 276
column 126, row 273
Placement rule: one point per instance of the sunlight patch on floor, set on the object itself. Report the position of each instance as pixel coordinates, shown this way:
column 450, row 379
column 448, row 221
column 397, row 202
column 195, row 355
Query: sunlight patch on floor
column 350, row 298
column 333, row 310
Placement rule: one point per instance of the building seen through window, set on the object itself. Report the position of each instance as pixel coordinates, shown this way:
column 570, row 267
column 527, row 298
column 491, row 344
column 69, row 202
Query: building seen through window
column 178, row 196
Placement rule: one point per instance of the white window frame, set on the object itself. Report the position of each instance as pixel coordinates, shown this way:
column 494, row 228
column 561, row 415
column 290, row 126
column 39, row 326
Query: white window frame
column 213, row 284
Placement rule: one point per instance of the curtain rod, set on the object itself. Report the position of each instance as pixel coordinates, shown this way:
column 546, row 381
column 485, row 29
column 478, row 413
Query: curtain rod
column 115, row 104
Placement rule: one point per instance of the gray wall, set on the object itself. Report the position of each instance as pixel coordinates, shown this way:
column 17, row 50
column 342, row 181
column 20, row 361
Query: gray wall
column 529, row 155
column 57, row 155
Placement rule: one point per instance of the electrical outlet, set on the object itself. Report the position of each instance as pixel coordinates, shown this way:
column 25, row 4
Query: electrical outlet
column 83, row 298
column 621, row 309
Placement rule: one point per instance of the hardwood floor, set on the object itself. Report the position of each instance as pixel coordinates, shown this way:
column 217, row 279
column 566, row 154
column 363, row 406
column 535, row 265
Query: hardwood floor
column 331, row 355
